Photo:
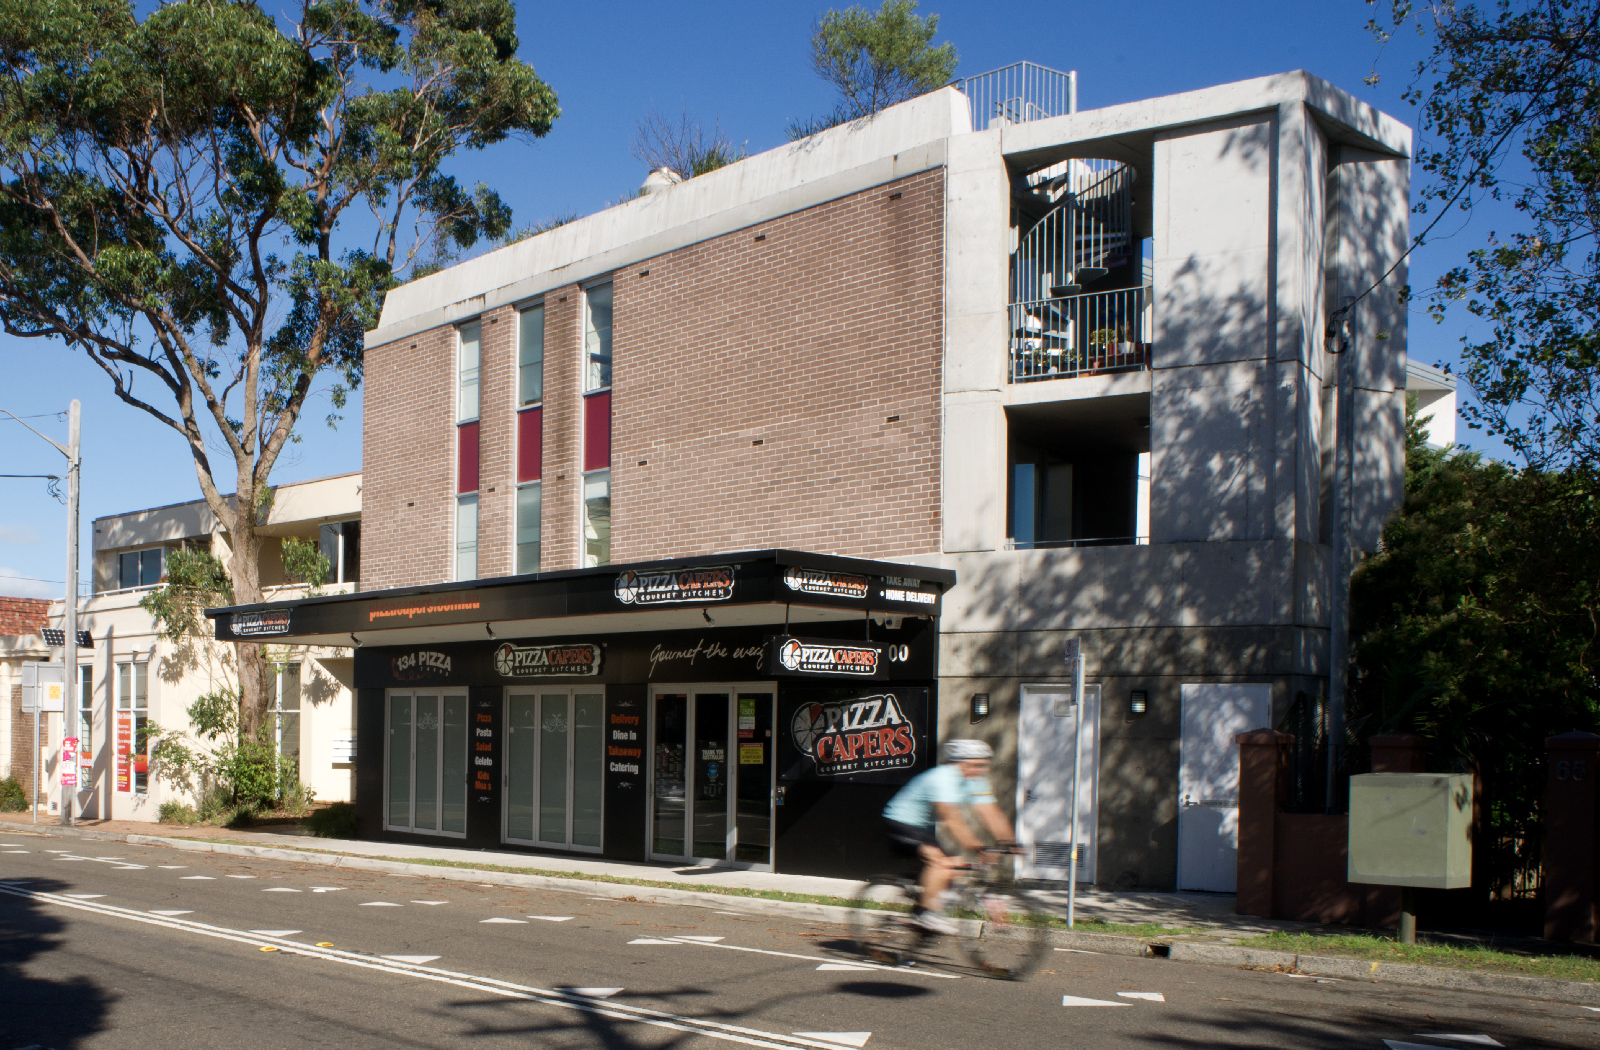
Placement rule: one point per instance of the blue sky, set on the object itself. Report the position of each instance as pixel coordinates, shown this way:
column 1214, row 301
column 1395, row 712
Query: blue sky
column 746, row 65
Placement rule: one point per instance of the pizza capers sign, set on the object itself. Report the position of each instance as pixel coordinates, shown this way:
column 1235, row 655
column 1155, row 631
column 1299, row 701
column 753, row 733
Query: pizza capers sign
column 710, row 583
column 580, row 659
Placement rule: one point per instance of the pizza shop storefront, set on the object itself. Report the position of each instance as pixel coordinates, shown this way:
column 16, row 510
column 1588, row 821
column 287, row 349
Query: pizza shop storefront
column 755, row 709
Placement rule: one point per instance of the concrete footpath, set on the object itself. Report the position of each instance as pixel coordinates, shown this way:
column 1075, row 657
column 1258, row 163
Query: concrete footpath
column 1203, row 926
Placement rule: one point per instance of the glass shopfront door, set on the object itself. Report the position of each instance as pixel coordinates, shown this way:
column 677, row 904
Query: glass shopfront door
column 554, row 767
column 711, row 773
column 426, row 778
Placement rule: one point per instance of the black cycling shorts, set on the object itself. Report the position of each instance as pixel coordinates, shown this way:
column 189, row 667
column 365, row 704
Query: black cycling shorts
column 907, row 840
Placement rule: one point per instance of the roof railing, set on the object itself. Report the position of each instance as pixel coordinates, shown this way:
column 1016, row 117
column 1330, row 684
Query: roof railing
column 1019, row 93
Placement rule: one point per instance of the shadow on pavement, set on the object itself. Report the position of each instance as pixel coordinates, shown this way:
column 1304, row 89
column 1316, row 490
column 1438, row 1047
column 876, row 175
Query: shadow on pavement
column 35, row 1010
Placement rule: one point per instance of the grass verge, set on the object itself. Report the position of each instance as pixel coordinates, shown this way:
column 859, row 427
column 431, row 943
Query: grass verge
column 1379, row 948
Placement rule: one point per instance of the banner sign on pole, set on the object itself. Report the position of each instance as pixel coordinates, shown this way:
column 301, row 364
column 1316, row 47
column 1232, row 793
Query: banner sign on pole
column 69, row 761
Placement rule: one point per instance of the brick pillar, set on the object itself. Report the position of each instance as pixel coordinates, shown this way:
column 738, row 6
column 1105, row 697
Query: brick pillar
column 1399, row 753
column 1570, row 857
column 1263, row 783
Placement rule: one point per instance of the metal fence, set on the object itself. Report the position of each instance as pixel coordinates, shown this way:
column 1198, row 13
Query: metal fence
column 1081, row 335
column 1018, row 93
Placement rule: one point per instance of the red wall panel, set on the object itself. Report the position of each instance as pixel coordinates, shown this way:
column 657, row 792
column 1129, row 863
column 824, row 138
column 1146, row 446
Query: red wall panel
column 467, row 458
column 530, row 443
column 597, row 431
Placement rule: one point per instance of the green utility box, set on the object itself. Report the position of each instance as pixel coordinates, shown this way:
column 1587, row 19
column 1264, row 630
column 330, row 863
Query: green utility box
column 1411, row 829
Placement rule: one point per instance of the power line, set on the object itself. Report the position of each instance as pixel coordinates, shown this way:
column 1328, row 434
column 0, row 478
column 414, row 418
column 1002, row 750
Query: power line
column 52, row 477
column 44, row 415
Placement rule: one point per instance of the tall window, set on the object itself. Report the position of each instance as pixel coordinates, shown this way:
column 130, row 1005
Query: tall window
column 467, row 358
column 85, row 722
column 286, row 713
column 528, row 528
column 426, row 778
column 140, row 568
column 530, row 355
column 133, row 704
column 597, row 518
column 597, row 337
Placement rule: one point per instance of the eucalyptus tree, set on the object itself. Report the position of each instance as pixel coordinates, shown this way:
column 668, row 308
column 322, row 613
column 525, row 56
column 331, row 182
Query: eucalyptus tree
column 211, row 200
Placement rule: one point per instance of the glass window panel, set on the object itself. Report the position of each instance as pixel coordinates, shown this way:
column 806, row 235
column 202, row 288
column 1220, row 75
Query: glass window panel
column 124, row 686
column 400, row 761
column 150, row 567
column 141, row 683
column 597, row 337
column 467, row 538
column 128, row 569
column 455, row 765
column 597, row 518
column 289, row 696
column 711, row 775
column 467, row 372
column 588, row 767
column 85, row 717
column 553, row 767
column 289, row 735
column 528, row 528
column 667, row 772
column 522, row 736
column 427, row 764
column 530, row 356
column 753, row 767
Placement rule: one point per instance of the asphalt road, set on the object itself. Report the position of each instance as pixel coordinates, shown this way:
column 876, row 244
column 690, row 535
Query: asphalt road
column 112, row 945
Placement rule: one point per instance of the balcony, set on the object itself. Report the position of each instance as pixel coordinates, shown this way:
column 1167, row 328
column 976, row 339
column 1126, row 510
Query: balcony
column 1093, row 333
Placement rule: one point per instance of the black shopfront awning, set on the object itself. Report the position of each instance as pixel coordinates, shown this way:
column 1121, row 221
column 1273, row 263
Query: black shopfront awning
column 728, row 590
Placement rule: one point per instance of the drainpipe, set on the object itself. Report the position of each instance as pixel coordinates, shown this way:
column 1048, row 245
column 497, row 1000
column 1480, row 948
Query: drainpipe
column 1339, row 600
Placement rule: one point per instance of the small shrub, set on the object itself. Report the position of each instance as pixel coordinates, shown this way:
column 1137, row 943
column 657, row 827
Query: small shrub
column 215, row 801
column 240, row 816
column 336, row 821
column 13, row 799
column 178, row 813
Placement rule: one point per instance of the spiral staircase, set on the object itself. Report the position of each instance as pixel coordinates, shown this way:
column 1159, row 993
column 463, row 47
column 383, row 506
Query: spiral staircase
column 1077, row 300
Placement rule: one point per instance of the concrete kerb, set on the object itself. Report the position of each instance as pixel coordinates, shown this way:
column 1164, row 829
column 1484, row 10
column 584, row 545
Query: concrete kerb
column 1582, row 993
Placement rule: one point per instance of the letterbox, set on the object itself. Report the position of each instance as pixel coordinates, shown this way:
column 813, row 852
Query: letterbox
column 1411, row 829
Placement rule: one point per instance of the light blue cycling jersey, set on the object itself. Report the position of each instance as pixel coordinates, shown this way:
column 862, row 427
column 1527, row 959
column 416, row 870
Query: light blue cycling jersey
column 914, row 803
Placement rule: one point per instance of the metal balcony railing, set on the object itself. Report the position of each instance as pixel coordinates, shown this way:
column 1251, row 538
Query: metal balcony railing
column 1018, row 93
column 1077, row 335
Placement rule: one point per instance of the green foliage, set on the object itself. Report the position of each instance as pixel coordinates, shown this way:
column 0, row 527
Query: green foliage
column 685, row 146
column 1475, row 625
column 304, row 562
column 336, row 821
column 875, row 60
column 178, row 813
column 13, row 797
column 196, row 581
column 1508, row 95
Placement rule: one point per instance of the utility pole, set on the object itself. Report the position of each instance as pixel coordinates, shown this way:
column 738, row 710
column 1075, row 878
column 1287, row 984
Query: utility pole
column 69, row 670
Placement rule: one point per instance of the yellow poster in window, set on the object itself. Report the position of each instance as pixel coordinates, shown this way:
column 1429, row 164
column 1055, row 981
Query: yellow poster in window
column 752, row 754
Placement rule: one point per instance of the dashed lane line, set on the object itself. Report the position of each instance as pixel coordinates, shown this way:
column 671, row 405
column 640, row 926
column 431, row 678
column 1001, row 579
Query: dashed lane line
column 561, row 999
column 703, row 942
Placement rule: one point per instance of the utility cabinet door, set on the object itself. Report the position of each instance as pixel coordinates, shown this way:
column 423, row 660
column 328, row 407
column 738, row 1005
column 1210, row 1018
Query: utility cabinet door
column 1208, row 780
column 1045, row 735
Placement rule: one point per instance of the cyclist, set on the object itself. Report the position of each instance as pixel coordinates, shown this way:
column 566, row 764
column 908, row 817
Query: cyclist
column 934, row 797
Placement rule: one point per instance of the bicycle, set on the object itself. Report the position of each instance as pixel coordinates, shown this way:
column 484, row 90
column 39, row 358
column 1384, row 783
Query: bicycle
column 1002, row 927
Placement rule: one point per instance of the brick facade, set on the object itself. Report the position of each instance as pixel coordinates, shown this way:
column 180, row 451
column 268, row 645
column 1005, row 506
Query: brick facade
column 23, row 615
column 778, row 386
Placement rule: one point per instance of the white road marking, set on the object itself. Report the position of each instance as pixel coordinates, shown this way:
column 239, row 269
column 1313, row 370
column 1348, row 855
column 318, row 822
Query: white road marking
column 241, row 876
column 327, row 889
column 418, row 959
column 209, row 878
column 1154, row 997
column 842, row 966
column 702, row 940
column 547, row 918
column 557, row 998
column 1075, row 1000
column 1079, row 951
column 280, row 889
column 18, row 851
column 842, row 1038
column 281, row 933
column 430, row 902
column 170, row 914
column 380, row 904
column 1480, row 1040
column 51, row 850
column 83, row 896
column 636, row 940
column 127, row 867
column 171, row 867
column 793, row 955
column 591, row 993
column 497, row 918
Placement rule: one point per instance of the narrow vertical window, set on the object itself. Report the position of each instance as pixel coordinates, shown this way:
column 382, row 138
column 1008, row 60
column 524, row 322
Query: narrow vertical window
column 597, row 518
column 530, row 356
column 528, row 497
column 467, row 538
column 133, row 684
column 288, row 715
column 597, row 338
column 467, row 372
column 85, row 722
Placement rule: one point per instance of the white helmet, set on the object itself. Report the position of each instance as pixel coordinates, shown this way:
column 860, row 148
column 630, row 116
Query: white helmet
column 966, row 750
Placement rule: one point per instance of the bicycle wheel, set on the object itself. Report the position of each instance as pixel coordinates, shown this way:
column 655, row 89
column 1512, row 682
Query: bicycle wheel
column 882, row 931
column 1014, row 931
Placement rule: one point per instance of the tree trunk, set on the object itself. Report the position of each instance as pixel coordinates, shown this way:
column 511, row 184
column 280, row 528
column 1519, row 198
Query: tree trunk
column 244, row 568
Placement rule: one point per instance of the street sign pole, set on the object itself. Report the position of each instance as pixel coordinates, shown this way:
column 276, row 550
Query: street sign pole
column 71, row 708
column 1075, row 662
